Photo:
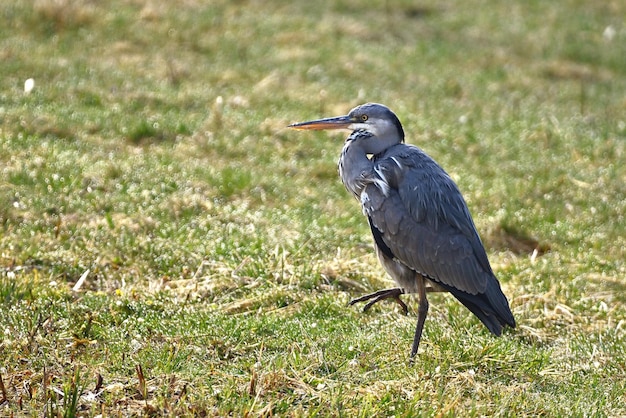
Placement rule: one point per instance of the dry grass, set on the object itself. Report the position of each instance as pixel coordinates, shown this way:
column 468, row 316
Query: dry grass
column 65, row 14
column 168, row 248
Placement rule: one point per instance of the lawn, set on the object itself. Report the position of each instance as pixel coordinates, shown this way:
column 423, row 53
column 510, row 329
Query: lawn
column 169, row 248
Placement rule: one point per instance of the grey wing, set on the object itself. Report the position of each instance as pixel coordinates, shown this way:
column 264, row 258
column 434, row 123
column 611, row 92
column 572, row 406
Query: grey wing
column 425, row 222
column 421, row 220
column 443, row 254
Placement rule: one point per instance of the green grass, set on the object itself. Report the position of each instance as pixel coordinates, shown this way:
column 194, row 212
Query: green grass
column 220, row 249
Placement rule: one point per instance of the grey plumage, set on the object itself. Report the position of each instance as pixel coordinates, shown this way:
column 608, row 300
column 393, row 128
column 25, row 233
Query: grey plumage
column 424, row 235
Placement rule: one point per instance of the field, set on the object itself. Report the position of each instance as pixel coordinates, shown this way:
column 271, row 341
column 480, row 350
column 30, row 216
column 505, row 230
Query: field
column 169, row 248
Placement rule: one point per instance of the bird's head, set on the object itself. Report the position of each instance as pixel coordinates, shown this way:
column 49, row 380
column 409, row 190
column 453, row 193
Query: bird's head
column 377, row 127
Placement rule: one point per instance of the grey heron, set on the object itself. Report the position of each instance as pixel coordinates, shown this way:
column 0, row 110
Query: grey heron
column 423, row 232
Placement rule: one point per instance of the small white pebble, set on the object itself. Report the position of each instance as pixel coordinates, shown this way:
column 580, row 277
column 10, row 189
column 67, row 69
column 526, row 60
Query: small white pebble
column 135, row 345
column 609, row 33
column 29, row 85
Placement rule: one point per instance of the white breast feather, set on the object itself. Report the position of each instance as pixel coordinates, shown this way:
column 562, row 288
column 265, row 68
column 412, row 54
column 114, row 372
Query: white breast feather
column 380, row 180
column 364, row 200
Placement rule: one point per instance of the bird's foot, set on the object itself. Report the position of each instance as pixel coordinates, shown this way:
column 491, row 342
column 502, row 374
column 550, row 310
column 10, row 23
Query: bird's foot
column 380, row 295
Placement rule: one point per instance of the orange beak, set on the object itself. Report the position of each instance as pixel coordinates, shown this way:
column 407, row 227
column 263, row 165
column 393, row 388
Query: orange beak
column 339, row 122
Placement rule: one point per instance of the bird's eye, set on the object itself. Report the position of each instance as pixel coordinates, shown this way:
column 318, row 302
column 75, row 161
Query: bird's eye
column 363, row 118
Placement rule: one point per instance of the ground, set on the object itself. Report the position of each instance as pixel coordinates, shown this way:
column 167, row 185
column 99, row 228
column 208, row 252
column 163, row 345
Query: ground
column 168, row 247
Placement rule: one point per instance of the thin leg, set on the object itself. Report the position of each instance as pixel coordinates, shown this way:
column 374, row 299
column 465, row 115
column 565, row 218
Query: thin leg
column 422, row 311
column 380, row 295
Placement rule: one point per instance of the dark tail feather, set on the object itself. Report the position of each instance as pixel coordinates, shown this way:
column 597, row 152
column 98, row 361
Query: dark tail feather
column 491, row 307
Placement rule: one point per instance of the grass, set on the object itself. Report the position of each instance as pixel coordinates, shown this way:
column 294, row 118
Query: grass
column 219, row 249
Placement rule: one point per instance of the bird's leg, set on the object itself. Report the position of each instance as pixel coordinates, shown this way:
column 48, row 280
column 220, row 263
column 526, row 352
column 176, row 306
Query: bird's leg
column 380, row 295
column 422, row 311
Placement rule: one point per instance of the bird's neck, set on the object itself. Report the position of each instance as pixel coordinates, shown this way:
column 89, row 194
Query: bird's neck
column 355, row 168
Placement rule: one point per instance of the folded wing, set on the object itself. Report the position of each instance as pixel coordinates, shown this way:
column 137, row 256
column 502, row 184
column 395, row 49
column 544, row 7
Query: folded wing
column 421, row 220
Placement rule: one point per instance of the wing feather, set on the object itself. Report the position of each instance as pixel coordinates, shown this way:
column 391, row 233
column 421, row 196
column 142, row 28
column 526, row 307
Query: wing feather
column 423, row 221
column 444, row 255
